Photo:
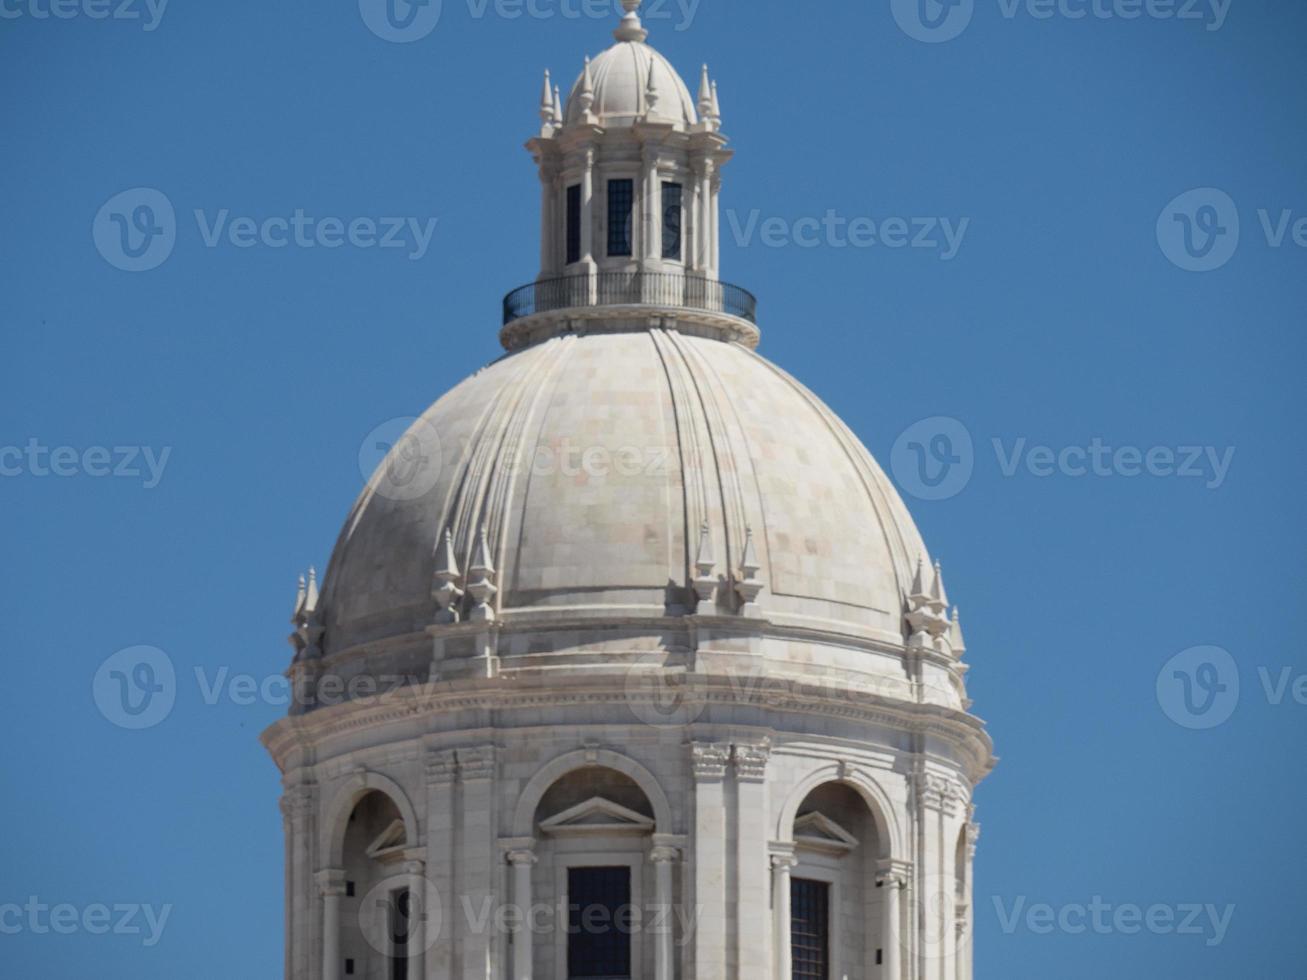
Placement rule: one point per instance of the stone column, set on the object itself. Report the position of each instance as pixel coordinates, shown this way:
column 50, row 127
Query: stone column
column 298, row 806
column 715, row 234
column 709, row 765
column 663, row 857
column 967, row 939
column 441, row 771
column 936, row 802
column 782, row 863
column 418, row 892
column 652, row 223
column 332, row 885
column 705, row 223
column 588, row 212
column 477, row 860
column 548, row 222
column 522, row 857
column 892, row 878
column 752, row 949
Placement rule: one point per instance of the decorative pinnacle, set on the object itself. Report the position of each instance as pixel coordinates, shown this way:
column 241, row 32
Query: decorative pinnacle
column 631, row 29
column 547, row 101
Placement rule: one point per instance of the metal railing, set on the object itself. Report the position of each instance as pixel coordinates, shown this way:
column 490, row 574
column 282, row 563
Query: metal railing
column 631, row 289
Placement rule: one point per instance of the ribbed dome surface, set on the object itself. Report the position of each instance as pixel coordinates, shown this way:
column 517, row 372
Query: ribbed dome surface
column 621, row 80
column 593, row 460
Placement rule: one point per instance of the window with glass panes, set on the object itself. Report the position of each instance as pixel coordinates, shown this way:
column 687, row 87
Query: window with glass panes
column 599, row 925
column 672, row 221
column 810, row 929
column 621, row 208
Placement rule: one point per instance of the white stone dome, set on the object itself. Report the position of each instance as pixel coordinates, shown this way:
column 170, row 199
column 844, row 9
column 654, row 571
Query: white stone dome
column 622, row 77
column 593, row 460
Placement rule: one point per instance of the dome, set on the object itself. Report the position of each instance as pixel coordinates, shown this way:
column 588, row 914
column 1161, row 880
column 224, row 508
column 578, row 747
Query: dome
column 592, row 462
column 622, row 77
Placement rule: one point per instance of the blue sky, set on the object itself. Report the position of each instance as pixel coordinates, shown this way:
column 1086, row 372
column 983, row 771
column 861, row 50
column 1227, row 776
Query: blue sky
column 1061, row 317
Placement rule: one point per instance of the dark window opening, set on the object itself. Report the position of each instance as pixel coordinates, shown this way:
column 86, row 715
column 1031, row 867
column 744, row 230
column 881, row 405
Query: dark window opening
column 599, row 923
column 810, row 929
column 621, row 210
column 673, row 213
column 400, row 910
column 349, row 889
column 574, row 224
column 349, row 968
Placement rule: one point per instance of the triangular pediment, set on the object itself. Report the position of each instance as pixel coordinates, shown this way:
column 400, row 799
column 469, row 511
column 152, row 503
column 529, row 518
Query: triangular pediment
column 820, row 832
column 597, row 816
column 391, row 839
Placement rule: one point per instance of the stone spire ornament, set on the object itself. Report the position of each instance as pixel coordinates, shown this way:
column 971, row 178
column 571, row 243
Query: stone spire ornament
column 300, row 593
column 749, row 586
column 308, row 629
column 631, row 29
column 927, row 607
column 445, row 588
column 547, row 107
column 587, row 94
column 705, row 94
column 716, row 107
column 558, row 109
column 481, row 581
column 956, row 643
column 651, row 94
column 705, row 582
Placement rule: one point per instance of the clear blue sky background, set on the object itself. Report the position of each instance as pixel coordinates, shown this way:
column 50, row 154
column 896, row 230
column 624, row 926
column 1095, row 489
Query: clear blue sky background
column 1059, row 320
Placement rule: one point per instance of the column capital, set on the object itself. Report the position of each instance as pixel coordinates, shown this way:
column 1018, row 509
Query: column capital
column 783, row 857
column 751, row 761
column 659, row 854
column 893, row 874
column 298, row 801
column 476, row 763
column 709, row 759
column 938, row 791
column 519, row 850
column 441, row 766
column 331, row 882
